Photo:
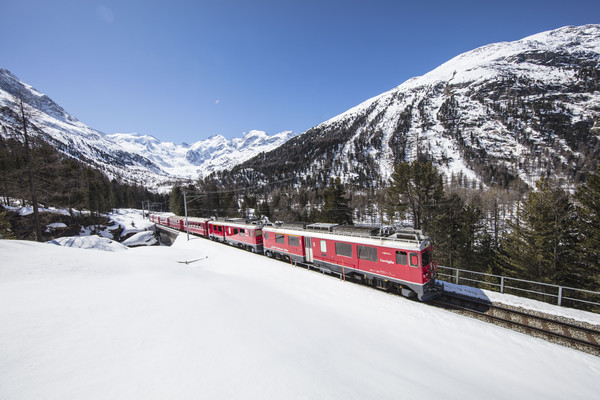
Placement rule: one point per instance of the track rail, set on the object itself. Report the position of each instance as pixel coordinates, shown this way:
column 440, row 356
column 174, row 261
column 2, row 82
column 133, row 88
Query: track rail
column 569, row 334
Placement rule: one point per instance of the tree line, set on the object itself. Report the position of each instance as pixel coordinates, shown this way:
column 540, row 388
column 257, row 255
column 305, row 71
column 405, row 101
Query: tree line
column 62, row 182
column 545, row 235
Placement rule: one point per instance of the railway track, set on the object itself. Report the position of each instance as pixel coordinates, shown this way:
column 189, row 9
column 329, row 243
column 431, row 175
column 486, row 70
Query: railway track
column 580, row 336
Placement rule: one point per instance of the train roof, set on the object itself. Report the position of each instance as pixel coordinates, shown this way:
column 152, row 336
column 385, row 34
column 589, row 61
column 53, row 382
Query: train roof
column 198, row 219
column 239, row 223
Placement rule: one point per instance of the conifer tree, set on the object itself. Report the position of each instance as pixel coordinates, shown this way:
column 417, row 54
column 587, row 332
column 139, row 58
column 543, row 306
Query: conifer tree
column 263, row 209
column 445, row 231
column 417, row 188
column 588, row 211
column 456, row 231
column 176, row 201
column 336, row 209
column 5, row 228
column 25, row 121
column 541, row 243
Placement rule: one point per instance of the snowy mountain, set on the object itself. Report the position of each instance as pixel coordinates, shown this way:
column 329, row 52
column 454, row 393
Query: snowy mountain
column 508, row 110
column 133, row 157
column 203, row 157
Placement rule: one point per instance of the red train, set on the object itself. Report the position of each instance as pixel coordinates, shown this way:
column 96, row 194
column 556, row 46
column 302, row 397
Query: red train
column 401, row 261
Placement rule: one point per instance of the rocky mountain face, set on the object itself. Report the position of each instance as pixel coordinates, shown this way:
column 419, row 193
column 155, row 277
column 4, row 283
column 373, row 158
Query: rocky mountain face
column 503, row 112
column 131, row 157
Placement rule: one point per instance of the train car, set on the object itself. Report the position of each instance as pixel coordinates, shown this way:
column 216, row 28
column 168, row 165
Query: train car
column 176, row 222
column 244, row 235
column 197, row 226
column 163, row 220
column 216, row 231
column 285, row 242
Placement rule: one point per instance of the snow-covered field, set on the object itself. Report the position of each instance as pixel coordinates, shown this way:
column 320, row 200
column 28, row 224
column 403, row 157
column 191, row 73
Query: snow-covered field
column 139, row 324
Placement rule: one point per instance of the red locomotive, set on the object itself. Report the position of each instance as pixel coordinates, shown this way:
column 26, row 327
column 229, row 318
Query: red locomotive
column 401, row 261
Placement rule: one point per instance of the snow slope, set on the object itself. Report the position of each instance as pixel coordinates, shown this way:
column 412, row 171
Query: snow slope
column 77, row 323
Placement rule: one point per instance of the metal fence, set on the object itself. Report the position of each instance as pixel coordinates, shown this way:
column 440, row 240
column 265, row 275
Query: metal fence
column 555, row 294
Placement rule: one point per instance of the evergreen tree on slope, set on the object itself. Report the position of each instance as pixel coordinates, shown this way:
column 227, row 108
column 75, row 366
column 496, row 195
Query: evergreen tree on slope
column 336, row 209
column 417, row 188
column 588, row 210
column 541, row 243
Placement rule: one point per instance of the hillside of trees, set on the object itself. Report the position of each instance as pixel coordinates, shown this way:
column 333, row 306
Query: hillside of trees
column 61, row 182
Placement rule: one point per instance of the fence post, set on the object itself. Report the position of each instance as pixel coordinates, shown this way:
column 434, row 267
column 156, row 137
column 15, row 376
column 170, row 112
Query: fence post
column 501, row 284
column 560, row 295
column 456, row 277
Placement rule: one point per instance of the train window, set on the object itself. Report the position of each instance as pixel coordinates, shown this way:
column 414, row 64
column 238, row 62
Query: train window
column 426, row 257
column 343, row 249
column 280, row 238
column 242, row 232
column 266, row 235
column 294, row 241
column 414, row 260
column 258, row 233
column 401, row 258
column 323, row 246
column 235, row 231
column 367, row 253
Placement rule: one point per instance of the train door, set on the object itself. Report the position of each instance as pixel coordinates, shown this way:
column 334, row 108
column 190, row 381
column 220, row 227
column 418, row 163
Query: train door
column 308, row 249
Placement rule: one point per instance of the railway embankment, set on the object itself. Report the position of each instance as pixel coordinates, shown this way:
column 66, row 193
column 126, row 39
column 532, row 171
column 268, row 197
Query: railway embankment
column 166, row 235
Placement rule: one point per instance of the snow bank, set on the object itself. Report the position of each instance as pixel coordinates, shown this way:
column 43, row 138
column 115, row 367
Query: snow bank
column 56, row 225
column 89, row 242
column 145, row 238
column 139, row 324
column 131, row 220
column 28, row 210
column 525, row 303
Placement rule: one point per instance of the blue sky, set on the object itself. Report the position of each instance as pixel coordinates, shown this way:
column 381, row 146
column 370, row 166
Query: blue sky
column 185, row 70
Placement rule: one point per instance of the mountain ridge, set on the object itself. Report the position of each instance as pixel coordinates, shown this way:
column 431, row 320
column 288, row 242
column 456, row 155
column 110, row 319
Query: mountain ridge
column 504, row 111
